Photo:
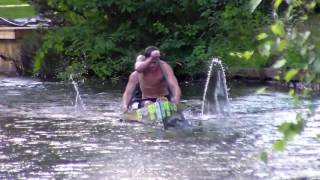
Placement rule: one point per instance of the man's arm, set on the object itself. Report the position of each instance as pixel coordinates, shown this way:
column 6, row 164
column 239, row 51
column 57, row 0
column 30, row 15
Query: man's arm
column 142, row 63
column 172, row 82
column 127, row 95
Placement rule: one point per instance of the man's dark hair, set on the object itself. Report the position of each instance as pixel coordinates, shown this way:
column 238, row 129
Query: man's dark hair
column 148, row 50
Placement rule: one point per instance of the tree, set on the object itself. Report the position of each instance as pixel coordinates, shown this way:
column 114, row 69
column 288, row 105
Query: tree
column 103, row 37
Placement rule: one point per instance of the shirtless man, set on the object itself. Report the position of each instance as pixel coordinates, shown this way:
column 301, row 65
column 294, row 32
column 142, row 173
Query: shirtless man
column 155, row 77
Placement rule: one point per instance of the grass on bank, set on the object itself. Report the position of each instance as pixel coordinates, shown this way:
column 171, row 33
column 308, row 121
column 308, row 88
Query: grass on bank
column 15, row 12
column 11, row 2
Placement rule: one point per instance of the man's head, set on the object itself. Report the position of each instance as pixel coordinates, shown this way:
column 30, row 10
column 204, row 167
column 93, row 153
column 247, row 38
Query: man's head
column 154, row 53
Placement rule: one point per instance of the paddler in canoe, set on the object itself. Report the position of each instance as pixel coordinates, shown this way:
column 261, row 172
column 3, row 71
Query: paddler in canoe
column 160, row 92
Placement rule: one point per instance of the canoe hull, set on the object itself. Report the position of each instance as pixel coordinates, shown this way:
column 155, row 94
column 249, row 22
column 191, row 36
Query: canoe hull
column 160, row 112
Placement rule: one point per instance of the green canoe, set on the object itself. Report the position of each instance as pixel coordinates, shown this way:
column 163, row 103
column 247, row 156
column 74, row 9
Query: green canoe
column 153, row 113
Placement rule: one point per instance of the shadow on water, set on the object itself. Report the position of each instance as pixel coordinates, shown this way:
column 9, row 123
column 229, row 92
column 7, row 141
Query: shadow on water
column 42, row 137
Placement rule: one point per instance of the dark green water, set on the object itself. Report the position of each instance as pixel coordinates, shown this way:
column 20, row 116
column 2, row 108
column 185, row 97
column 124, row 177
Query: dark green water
column 43, row 136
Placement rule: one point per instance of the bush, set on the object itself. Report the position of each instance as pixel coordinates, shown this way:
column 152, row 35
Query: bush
column 105, row 36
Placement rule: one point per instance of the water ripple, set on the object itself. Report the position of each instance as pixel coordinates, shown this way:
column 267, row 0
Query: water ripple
column 43, row 137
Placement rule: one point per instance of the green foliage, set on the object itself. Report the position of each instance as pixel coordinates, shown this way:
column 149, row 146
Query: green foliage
column 293, row 40
column 105, row 36
column 261, row 90
column 29, row 46
column 278, row 28
column 240, row 25
column 289, row 130
column 254, row 4
column 264, row 157
column 279, row 144
column 290, row 74
column 75, row 70
column 279, row 64
column 277, row 4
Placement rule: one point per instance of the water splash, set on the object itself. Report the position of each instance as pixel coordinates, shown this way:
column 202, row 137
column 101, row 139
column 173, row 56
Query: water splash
column 215, row 88
column 78, row 101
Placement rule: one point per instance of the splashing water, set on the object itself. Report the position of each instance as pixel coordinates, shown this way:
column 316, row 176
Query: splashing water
column 216, row 89
column 78, row 101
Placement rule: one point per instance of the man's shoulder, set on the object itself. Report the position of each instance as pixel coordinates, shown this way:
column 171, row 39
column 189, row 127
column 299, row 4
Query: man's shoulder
column 165, row 64
column 134, row 74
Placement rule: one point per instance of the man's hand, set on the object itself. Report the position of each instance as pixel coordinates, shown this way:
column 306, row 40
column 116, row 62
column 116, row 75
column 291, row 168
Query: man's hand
column 140, row 58
column 155, row 54
column 142, row 63
column 175, row 100
column 124, row 108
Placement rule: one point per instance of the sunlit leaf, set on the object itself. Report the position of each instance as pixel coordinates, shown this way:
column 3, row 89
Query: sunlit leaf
column 290, row 74
column 279, row 64
column 310, row 6
column 277, row 77
column 279, row 145
column 50, row 2
column 306, row 92
column 291, row 134
column 288, row 130
column 305, row 36
column 278, row 28
column 277, row 4
column 289, row 11
column 232, row 54
column 304, row 18
column 247, row 54
column 262, row 36
column 291, row 92
column 264, row 157
column 254, row 4
column 238, row 54
column 284, row 127
column 265, row 48
column 283, row 45
column 261, row 90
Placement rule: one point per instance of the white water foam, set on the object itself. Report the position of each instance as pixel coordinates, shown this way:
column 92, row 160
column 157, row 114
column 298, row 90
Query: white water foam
column 78, row 101
column 220, row 89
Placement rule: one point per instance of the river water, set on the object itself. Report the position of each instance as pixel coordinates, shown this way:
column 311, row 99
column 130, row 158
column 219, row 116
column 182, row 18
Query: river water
column 43, row 136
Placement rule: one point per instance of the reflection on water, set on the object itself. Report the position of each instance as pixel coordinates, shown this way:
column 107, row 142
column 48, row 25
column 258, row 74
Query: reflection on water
column 42, row 137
